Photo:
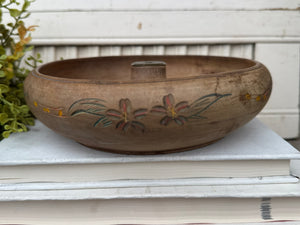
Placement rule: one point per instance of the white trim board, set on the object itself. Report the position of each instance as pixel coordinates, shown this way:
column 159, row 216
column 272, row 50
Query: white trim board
column 165, row 25
column 161, row 41
column 167, row 5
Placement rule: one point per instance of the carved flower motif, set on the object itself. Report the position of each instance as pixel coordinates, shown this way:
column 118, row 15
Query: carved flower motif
column 171, row 111
column 125, row 118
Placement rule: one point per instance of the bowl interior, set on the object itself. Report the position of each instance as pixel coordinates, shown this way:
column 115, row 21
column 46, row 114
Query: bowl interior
column 118, row 68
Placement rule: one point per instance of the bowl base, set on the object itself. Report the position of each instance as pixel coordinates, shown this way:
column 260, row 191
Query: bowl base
column 152, row 152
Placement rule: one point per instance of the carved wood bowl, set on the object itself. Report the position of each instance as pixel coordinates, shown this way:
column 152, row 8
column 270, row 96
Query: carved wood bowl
column 147, row 104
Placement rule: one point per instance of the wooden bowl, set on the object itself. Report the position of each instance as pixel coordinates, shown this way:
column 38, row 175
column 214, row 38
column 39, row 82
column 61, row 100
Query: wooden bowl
column 147, row 104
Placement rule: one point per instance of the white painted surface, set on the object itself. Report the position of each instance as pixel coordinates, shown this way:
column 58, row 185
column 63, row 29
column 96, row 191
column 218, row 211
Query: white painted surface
column 295, row 167
column 283, row 63
column 167, row 25
column 282, row 110
column 166, row 5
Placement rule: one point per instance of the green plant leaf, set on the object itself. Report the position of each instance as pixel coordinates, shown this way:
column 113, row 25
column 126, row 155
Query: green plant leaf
column 29, row 121
column 3, row 57
column 24, row 109
column 14, row 12
column 10, row 24
column 22, row 127
column 25, row 5
column 3, row 88
column 2, row 74
column 6, row 134
column 14, row 114
column 27, row 49
column 2, row 51
column 3, row 118
column 7, row 127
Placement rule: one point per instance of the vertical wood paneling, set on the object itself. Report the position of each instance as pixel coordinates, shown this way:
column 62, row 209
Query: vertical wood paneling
column 87, row 51
column 132, row 50
column 219, row 50
column 47, row 53
column 65, row 52
column 51, row 53
column 197, row 50
column 245, row 51
column 110, row 50
column 176, row 50
column 154, row 50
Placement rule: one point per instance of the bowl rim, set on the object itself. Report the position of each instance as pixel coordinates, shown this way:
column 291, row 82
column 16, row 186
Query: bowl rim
column 36, row 72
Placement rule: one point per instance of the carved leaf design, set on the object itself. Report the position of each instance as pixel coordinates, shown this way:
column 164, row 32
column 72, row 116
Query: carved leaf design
column 125, row 105
column 126, row 126
column 138, row 125
column 85, row 111
column 120, row 124
column 168, row 100
column 97, row 103
column 182, row 106
column 203, row 103
column 114, row 114
column 180, row 120
column 104, row 121
column 165, row 121
column 158, row 110
column 140, row 113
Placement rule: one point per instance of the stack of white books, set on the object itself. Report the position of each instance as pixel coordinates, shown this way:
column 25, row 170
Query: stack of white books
column 250, row 176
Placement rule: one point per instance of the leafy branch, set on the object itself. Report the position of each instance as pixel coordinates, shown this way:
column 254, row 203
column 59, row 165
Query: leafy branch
column 14, row 39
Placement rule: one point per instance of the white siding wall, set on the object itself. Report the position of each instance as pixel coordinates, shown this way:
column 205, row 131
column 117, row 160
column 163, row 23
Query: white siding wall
column 267, row 31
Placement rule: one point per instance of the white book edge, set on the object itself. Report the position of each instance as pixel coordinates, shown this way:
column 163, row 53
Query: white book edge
column 295, row 168
column 151, row 211
column 200, row 191
column 143, row 170
column 148, row 183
